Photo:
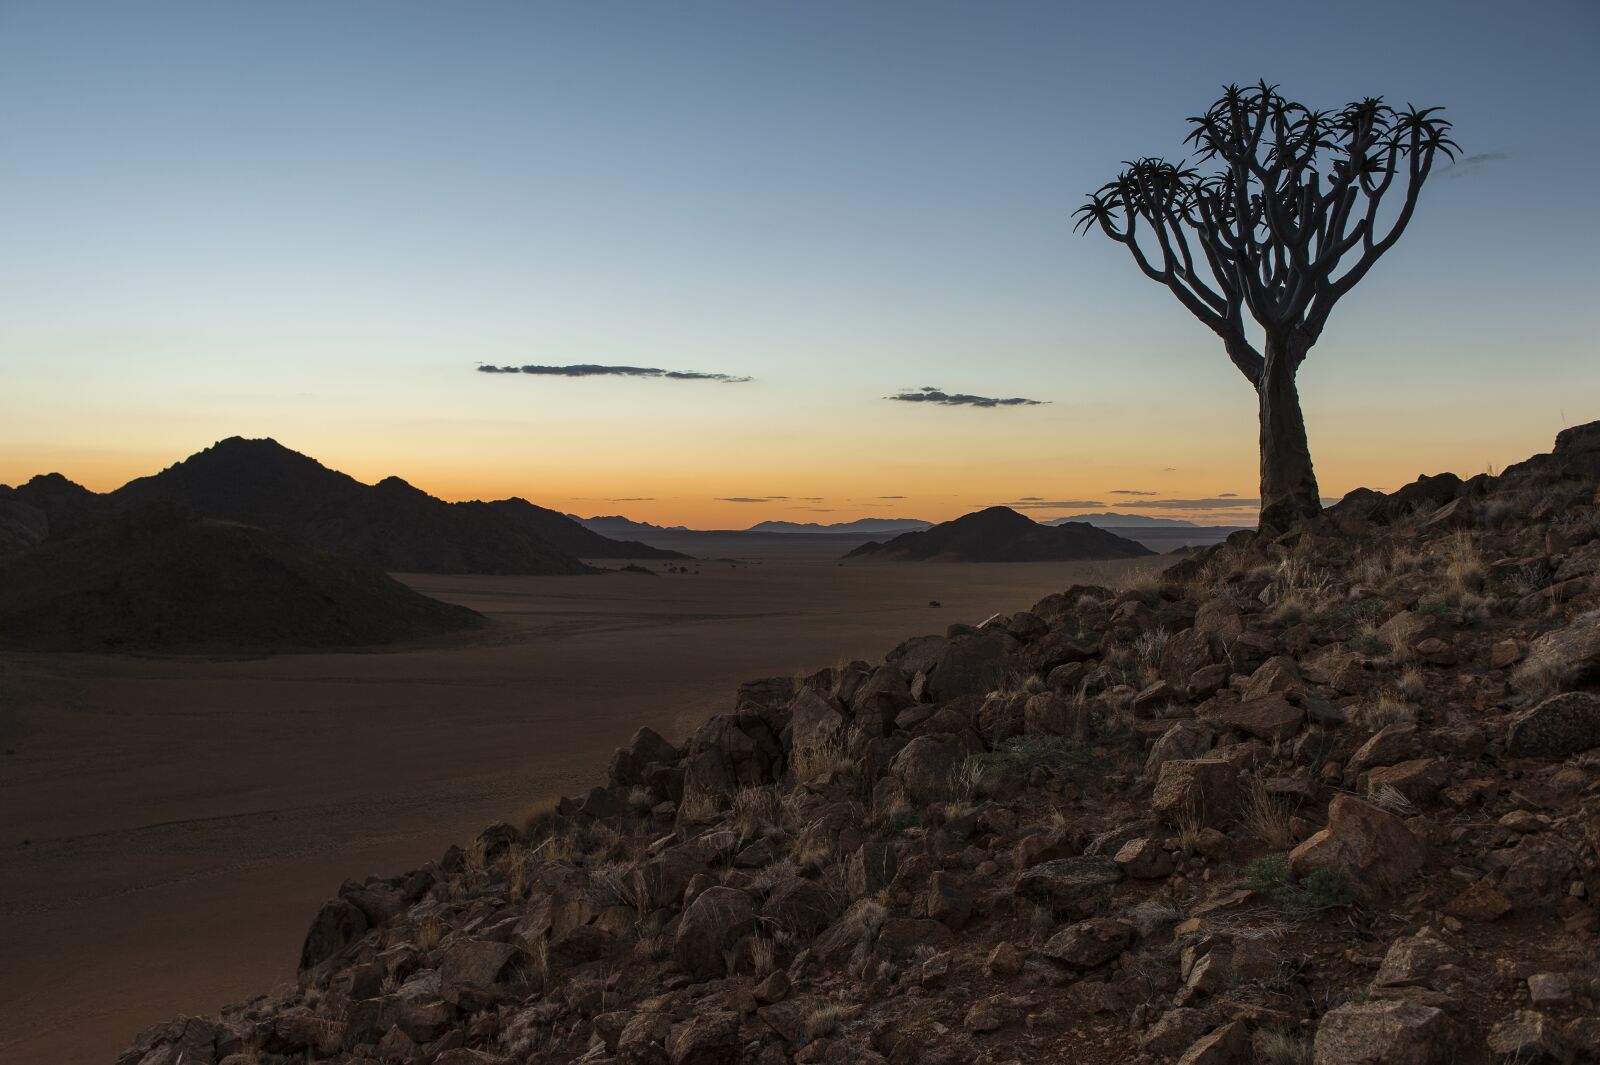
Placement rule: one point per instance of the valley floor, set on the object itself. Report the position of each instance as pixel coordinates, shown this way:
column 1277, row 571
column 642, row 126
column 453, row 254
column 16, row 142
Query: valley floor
column 169, row 826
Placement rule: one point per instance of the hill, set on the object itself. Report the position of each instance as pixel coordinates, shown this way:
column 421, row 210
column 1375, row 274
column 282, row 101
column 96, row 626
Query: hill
column 1330, row 795
column 616, row 525
column 573, row 537
column 1000, row 534
column 391, row 525
column 860, row 525
column 161, row 580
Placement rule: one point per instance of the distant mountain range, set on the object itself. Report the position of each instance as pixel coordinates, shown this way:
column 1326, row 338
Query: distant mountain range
column 1124, row 521
column 1000, row 534
column 616, row 525
column 860, row 525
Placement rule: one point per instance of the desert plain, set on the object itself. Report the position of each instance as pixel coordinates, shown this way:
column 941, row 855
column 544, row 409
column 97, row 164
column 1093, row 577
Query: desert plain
column 169, row 825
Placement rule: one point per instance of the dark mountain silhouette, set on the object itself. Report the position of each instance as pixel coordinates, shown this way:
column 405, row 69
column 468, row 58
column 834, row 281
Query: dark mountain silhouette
column 560, row 531
column 69, row 506
column 1000, row 534
column 617, row 525
column 860, row 525
column 160, row 579
column 391, row 525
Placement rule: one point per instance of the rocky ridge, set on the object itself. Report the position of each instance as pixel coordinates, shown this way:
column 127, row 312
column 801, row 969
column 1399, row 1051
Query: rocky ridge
column 1328, row 796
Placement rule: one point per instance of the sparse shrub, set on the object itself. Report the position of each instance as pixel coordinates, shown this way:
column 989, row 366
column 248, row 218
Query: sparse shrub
column 697, row 805
column 1387, row 709
column 1149, row 646
column 1273, row 1047
column 808, row 763
column 1412, row 684
column 824, row 1021
column 1021, row 753
column 1322, row 890
column 1540, row 678
column 757, row 812
column 1390, row 798
column 1464, row 568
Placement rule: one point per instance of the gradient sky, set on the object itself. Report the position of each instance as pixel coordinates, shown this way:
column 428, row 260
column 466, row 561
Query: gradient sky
column 314, row 220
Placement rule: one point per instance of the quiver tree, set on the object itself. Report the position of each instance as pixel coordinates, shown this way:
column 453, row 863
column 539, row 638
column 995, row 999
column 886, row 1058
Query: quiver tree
column 1282, row 231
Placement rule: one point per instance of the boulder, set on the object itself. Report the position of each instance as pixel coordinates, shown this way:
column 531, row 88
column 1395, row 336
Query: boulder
column 927, row 766
column 713, row 924
column 800, row 907
column 471, row 967
column 1560, row 726
column 337, row 924
column 1390, row 744
column 1269, row 717
column 1418, row 779
column 709, row 1038
column 1184, row 740
column 1369, row 848
column 1202, row 787
column 1413, row 962
column 1386, row 1032
column 970, row 665
column 814, row 722
column 1070, row 885
column 1089, row 944
column 1227, row 1045
column 1530, row 1036
column 647, row 746
column 1570, row 653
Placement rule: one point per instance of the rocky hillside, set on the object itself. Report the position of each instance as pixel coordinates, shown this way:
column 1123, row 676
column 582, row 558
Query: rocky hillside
column 161, row 580
column 1329, row 796
column 1000, row 534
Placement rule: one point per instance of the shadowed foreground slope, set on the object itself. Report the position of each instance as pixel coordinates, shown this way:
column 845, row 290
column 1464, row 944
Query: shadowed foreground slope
column 161, row 580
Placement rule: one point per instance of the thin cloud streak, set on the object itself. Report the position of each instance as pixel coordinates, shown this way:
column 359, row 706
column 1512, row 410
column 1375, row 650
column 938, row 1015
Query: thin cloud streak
column 593, row 370
column 929, row 394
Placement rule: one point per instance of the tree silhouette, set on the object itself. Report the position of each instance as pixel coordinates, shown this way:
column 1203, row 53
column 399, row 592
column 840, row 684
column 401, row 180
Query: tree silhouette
column 1287, row 227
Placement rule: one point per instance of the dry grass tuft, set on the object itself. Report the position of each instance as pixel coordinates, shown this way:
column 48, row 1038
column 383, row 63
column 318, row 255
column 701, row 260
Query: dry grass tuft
column 824, row 1021
column 1280, row 1048
column 809, row 763
column 1388, row 709
column 1267, row 816
column 1412, row 684
column 757, row 812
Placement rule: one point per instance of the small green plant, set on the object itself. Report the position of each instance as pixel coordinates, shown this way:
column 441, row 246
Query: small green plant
column 1434, row 608
column 1021, row 753
column 1321, row 890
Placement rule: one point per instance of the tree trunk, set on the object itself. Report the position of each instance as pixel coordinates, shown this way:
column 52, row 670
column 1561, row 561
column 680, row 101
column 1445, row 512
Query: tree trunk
column 1288, row 483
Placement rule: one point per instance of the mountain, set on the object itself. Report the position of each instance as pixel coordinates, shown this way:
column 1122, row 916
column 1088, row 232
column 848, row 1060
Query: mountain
column 391, row 525
column 160, row 579
column 1123, row 521
column 1000, row 534
column 617, row 525
column 860, row 525
column 560, row 531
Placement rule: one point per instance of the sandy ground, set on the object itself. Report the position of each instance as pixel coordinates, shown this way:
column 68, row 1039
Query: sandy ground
column 168, row 826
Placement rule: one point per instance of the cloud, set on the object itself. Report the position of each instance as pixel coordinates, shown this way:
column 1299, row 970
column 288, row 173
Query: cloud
column 1035, row 503
column 751, row 499
column 1131, row 492
column 630, row 499
column 1468, row 165
column 888, row 497
column 930, row 394
column 1227, row 495
column 591, row 370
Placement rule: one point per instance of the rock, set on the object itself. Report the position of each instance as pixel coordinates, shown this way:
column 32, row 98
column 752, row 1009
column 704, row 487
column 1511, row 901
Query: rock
column 1549, row 989
column 1386, row 1032
column 1049, row 714
column 337, row 924
column 184, row 1041
column 710, row 1038
column 1570, row 653
column 1144, row 858
column 644, row 1039
column 713, row 924
column 1006, row 959
column 1174, row 1031
column 1370, row 849
column 1529, row 1036
column 470, row 968
column 1228, row 1045
column 870, row 869
column 1481, row 902
column 949, row 900
column 1390, row 744
column 1153, row 697
column 1413, row 961
column 1277, row 674
column 1419, row 779
column 970, row 665
column 1219, row 618
column 1562, row 725
column 1070, row 885
column 1537, row 871
column 1090, row 943
column 926, row 768
column 1185, row 654
column 647, row 746
column 1202, row 787
column 814, row 722
column 1271, row 717
column 1184, row 740
column 1503, row 654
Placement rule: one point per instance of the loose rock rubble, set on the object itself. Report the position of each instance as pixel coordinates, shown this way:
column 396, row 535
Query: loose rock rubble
column 1326, row 796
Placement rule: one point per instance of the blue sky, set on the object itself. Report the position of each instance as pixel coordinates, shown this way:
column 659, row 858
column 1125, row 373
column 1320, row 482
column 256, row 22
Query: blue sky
column 313, row 220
